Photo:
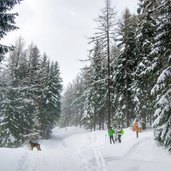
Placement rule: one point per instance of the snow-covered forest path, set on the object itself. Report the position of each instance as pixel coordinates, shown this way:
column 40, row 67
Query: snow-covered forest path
column 56, row 154
column 74, row 149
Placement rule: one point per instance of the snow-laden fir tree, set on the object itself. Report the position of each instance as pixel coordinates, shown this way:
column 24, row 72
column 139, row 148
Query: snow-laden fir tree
column 145, row 41
column 7, row 22
column 95, row 92
column 124, row 67
column 51, row 98
column 16, row 105
column 162, row 87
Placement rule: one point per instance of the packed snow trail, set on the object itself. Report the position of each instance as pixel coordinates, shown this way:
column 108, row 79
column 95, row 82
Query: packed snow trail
column 74, row 149
column 55, row 155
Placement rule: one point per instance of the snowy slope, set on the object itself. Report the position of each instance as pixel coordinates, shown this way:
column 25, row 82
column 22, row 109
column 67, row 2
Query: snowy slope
column 74, row 149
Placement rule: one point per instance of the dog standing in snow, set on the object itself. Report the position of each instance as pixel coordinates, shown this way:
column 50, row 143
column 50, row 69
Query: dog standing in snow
column 34, row 145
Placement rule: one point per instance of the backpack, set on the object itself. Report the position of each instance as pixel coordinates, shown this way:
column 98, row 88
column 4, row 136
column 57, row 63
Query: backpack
column 122, row 132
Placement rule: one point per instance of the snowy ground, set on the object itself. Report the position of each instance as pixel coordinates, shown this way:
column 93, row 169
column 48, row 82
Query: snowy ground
column 74, row 149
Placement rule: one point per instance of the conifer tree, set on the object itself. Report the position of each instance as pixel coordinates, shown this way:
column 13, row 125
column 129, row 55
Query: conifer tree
column 162, row 87
column 105, row 36
column 7, row 22
column 125, row 66
column 95, row 92
column 51, row 96
column 15, row 104
column 145, row 42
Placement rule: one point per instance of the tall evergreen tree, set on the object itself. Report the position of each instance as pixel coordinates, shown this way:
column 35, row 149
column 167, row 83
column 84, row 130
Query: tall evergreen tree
column 95, row 91
column 145, row 42
column 35, row 90
column 162, row 88
column 125, row 66
column 16, row 104
column 51, row 96
column 7, row 22
column 105, row 36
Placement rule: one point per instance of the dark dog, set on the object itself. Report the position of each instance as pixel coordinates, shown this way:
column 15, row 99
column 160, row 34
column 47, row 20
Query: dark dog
column 34, row 145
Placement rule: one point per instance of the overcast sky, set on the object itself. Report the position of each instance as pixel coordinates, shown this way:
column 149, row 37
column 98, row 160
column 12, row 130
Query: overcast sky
column 61, row 27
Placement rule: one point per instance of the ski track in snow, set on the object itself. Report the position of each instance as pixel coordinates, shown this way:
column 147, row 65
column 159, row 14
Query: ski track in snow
column 130, row 152
column 85, row 162
column 98, row 163
column 101, row 166
column 134, row 147
column 101, row 161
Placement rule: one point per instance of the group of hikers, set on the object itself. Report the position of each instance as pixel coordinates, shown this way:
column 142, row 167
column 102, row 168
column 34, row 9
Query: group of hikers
column 116, row 134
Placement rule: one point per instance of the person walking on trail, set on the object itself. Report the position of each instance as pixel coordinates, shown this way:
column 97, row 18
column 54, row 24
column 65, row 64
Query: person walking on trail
column 111, row 133
column 120, row 132
column 136, row 127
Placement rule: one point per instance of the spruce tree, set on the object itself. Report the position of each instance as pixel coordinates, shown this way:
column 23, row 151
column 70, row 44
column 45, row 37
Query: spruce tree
column 162, row 87
column 51, row 99
column 16, row 104
column 95, row 91
column 145, row 43
column 34, row 91
column 125, row 66
column 7, row 22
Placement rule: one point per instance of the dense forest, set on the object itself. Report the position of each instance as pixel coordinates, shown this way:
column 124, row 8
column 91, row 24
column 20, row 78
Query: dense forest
column 30, row 87
column 128, row 74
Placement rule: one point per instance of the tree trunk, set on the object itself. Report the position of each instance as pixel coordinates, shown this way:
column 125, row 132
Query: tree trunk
column 108, row 65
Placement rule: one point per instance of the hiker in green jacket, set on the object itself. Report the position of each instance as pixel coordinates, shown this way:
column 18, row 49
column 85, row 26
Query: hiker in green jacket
column 111, row 133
